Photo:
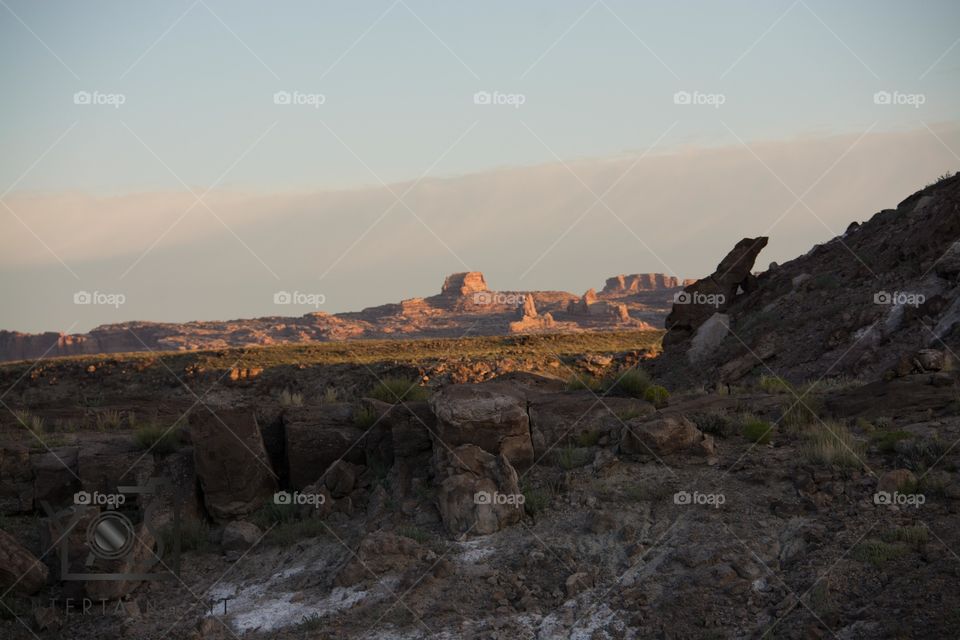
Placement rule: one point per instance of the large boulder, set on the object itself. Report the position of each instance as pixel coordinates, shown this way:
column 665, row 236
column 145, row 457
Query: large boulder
column 231, row 463
column 409, row 425
column 16, row 480
column 108, row 462
column 479, row 492
column 55, row 476
column 20, row 570
column 317, row 436
column 664, row 435
column 565, row 418
column 485, row 416
column 715, row 293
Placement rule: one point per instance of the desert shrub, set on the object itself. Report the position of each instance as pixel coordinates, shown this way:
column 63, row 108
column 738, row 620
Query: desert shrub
column 756, row 430
column 877, row 552
column 632, row 383
column 588, row 438
column 290, row 399
column 833, row 444
column 312, row 622
column 836, row 383
column 330, row 395
column 364, row 417
column 886, row 440
column 583, row 382
column 414, row 533
column 656, row 395
column 157, row 438
column 394, row 389
column 714, row 423
column 774, row 384
column 916, row 535
column 922, row 453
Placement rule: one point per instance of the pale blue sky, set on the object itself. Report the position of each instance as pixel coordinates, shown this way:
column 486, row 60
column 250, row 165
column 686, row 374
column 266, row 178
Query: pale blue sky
column 94, row 198
column 399, row 98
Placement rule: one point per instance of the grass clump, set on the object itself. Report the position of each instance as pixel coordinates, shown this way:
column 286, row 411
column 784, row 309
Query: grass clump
column 916, row 535
column 877, row 552
column 886, row 440
column 629, row 413
column 414, row 533
column 833, row 444
column 713, row 423
column 330, row 395
column 157, row 438
column 756, row 430
column 774, row 384
column 633, row 383
column 570, row 457
column 365, row 417
column 798, row 414
column 588, row 438
column 394, row 389
column 656, row 395
column 30, row 421
column 535, row 500
column 290, row 398
column 109, row 420
column 585, row 382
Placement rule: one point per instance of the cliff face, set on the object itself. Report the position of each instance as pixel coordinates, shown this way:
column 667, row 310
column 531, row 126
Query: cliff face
column 464, row 305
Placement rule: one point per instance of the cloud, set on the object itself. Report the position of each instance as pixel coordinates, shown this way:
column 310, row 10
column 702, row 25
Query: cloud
column 538, row 227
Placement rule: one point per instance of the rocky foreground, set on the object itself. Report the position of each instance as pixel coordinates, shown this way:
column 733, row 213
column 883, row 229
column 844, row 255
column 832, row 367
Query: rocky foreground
column 541, row 487
column 465, row 306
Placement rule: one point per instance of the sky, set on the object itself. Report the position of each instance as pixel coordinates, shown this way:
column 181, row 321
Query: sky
column 195, row 158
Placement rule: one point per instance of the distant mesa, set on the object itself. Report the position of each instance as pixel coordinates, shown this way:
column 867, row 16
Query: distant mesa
column 465, row 305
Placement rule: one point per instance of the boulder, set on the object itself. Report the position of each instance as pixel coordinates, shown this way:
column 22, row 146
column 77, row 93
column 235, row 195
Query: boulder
column 485, row 416
column 16, row 480
column 930, row 359
column 708, row 337
column 55, row 477
column 239, row 536
column 564, row 418
column 20, row 570
column 664, row 435
column 317, row 436
column 231, row 463
column 479, row 492
column 341, row 477
column 409, row 426
column 715, row 293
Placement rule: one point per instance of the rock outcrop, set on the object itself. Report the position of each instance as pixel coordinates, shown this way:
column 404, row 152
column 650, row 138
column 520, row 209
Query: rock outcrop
column 20, row 570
